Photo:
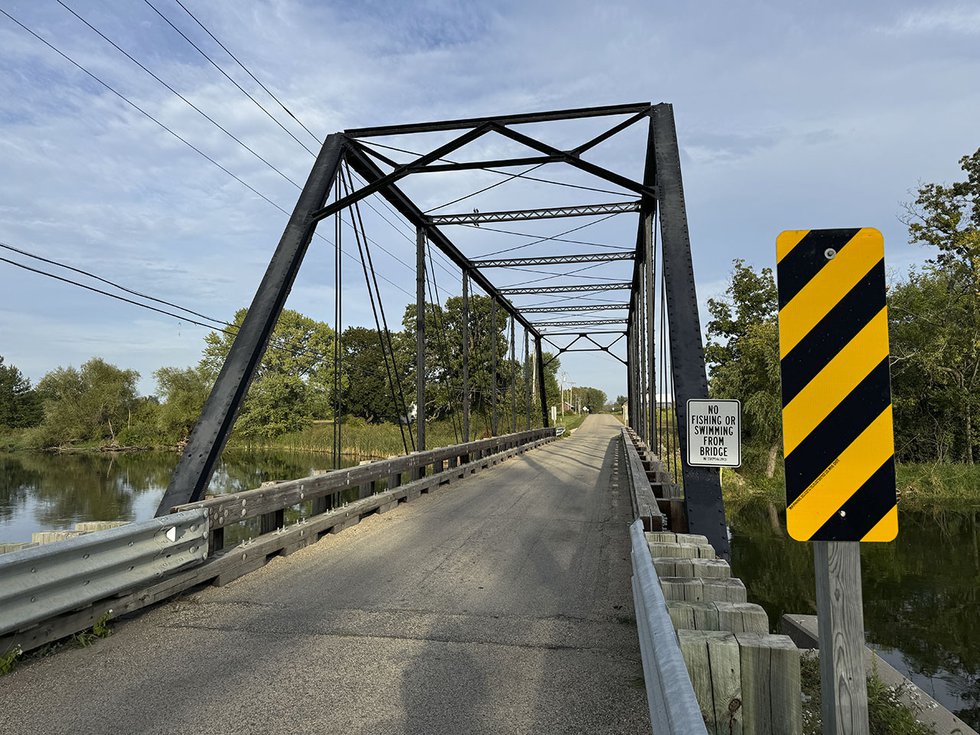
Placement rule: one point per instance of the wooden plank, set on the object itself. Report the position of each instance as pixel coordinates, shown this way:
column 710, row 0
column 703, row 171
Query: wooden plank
column 742, row 617
column 843, row 687
column 712, row 659
column 770, row 666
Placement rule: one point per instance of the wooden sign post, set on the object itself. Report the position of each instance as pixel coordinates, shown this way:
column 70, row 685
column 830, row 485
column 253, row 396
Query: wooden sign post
column 838, row 443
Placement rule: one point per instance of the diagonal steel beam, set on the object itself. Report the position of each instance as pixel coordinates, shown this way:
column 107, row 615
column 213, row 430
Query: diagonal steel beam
column 521, row 215
column 401, row 172
column 369, row 170
column 196, row 465
column 572, row 160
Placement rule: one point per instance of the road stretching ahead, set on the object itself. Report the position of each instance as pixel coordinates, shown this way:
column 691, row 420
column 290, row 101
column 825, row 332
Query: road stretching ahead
column 499, row 604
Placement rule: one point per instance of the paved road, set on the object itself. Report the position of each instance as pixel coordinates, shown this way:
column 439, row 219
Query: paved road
column 500, row 604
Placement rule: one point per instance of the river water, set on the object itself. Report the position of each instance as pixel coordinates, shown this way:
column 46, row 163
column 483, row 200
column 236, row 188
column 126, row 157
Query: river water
column 921, row 592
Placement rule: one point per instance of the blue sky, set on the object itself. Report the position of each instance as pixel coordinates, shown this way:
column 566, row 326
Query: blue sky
column 789, row 115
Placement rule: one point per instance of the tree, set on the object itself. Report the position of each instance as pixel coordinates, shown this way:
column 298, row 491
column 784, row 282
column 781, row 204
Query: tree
column 742, row 355
column 945, row 295
column 90, row 404
column 20, row 405
column 366, row 389
column 183, row 392
column 292, row 384
column 444, row 361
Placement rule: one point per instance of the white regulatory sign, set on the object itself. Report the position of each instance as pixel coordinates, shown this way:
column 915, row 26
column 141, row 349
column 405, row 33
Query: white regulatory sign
column 714, row 433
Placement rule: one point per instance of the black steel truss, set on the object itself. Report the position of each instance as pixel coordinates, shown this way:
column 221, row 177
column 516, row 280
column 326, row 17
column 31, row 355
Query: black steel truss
column 660, row 193
column 573, row 288
column 573, row 307
column 553, row 260
column 582, row 323
column 521, row 215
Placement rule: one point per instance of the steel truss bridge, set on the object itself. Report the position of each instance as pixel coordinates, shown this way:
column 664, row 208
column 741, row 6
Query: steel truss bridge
column 657, row 321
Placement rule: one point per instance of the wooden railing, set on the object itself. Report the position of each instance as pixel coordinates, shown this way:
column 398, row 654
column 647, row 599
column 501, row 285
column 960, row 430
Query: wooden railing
column 335, row 500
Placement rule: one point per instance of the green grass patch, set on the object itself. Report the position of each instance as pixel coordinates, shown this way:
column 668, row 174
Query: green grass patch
column 887, row 714
column 919, row 486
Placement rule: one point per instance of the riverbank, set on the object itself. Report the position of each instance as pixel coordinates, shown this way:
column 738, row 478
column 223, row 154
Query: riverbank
column 358, row 438
column 919, row 486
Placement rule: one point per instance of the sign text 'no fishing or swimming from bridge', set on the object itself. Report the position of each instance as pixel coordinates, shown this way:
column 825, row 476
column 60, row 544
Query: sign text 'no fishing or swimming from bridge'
column 837, row 415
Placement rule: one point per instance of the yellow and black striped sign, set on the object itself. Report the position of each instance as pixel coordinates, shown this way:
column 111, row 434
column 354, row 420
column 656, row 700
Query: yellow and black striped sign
column 837, row 414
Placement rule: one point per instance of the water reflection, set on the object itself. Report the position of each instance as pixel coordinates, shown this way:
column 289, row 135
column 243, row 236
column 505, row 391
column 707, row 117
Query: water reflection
column 43, row 492
column 920, row 592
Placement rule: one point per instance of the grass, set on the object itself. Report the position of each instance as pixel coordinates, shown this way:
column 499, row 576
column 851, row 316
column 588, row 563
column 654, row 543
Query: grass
column 887, row 714
column 919, row 486
column 100, row 629
column 9, row 659
column 359, row 439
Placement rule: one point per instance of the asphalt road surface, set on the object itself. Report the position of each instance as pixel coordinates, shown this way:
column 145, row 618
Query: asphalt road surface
column 499, row 604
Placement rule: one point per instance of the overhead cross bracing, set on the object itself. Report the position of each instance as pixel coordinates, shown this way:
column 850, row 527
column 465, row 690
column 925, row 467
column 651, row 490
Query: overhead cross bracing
column 573, row 288
column 572, row 308
column 553, row 260
column 519, row 215
column 555, row 164
column 581, row 323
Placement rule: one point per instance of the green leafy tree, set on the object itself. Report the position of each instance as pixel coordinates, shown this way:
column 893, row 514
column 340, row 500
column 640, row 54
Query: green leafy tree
column 20, row 404
column 92, row 403
column 291, row 386
column 366, row 389
column 183, row 392
column 742, row 355
column 444, row 362
column 946, row 296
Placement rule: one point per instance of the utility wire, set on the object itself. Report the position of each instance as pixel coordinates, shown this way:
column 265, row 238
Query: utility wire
column 226, row 76
column 498, row 172
column 178, row 94
column 89, row 274
column 180, row 317
column 144, row 112
column 547, row 239
column 247, row 71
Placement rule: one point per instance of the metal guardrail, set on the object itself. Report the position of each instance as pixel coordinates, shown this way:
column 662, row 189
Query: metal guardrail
column 674, row 709
column 43, row 581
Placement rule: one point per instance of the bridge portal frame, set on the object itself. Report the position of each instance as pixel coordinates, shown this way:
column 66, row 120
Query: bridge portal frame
column 658, row 196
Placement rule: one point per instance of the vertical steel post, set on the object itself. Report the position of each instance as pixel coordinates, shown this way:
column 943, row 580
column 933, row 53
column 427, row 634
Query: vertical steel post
column 420, row 339
column 513, row 380
column 649, row 264
column 702, row 487
column 541, row 390
column 466, row 357
column 641, row 372
column 495, row 342
column 527, row 383
column 630, row 361
column 196, row 465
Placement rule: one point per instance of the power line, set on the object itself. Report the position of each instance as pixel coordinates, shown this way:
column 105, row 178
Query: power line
column 498, row 172
column 178, row 94
column 247, row 71
column 144, row 112
column 228, row 77
column 546, row 239
column 177, row 136
column 114, row 296
column 96, row 277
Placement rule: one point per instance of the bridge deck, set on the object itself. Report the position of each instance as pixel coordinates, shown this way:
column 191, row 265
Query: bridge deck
column 500, row 604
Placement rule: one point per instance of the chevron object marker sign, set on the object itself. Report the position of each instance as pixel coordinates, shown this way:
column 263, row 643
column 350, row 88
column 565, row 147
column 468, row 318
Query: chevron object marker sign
column 837, row 414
